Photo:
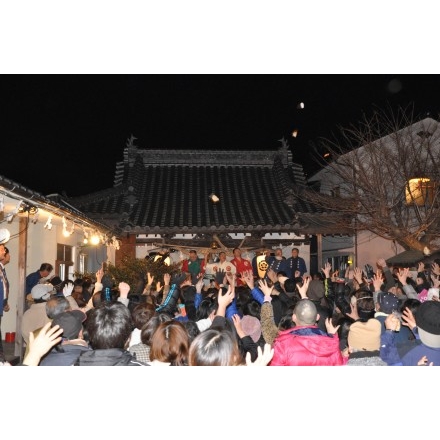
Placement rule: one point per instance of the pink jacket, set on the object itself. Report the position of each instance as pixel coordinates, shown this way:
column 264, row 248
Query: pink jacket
column 307, row 345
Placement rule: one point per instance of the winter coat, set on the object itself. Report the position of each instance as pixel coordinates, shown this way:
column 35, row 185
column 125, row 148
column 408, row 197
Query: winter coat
column 108, row 357
column 307, row 345
column 67, row 357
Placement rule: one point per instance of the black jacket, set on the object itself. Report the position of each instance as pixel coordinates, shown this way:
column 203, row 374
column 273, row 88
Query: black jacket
column 108, row 357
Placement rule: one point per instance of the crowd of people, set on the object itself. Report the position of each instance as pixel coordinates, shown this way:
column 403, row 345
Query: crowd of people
column 227, row 313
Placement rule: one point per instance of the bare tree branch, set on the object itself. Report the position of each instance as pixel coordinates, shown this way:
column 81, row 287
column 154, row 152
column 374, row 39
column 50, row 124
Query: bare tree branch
column 383, row 177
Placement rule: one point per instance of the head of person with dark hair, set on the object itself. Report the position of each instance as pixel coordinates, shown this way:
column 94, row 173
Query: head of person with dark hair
column 286, row 321
column 344, row 327
column 365, row 304
column 413, row 304
column 78, row 285
column 141, row 314
column 206, row 307
column 97, row 299
column 134, row 300
column 252, row 308
column 242, row 295
column 151, row 326
column 192, row 329
column 45, row 269
column 211, row 291
column 170, row 344
column 57, row 283
column 79, row 298
column 290, row 286
column 215, row 347
column 56, row 305
column 236, row 251
column 87, row 282
column 109, row 326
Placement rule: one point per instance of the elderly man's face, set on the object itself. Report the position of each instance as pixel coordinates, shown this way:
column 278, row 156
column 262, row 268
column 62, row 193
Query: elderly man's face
column 294, row 253
column 2, row 251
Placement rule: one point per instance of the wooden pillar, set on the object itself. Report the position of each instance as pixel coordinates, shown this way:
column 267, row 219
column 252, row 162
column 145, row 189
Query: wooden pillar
column 22, row 260
column 127, row 248
column 319, row 250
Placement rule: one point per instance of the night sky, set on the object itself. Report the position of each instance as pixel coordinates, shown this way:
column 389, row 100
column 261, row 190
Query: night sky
column 65, row 133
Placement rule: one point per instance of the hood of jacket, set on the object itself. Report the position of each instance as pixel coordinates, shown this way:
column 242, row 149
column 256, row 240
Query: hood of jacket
column 312, row 339
column 108, row 357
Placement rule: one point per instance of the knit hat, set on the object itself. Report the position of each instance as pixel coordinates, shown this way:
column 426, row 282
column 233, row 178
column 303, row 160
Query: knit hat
column 365, row 336
column 388, row 302
column 251, row 327
column 428, row 323
column 70, row 322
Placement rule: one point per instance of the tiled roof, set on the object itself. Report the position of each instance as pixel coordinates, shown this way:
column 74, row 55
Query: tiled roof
column 160, row 191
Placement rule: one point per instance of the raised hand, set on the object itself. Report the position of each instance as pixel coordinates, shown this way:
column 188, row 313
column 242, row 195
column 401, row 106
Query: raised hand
column 331, row 329
column 305, row 286
column 326, row 269
column 408, row 319
column 435, row 281
column 381, row 262
column 231, row 277
column 262, row 284
column 199, row 285
column 166, row 279
column 150, row 279
column 67, row 289
column 99, row 274
column 377, row 281
column 248, row 277
column 263, row 358
column 435, row 268
column 220, row 277
column 402, row 275
column 39, row 345
column 124, row 288
column 272, row 275
column 358, row 275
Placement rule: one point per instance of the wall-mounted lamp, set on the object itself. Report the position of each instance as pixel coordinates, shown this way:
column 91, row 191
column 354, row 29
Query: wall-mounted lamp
column 23, row 207
column 95, row 239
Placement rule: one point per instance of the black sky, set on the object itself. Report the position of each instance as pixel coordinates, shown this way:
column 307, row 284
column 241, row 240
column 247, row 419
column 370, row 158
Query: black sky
column 65, row 133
